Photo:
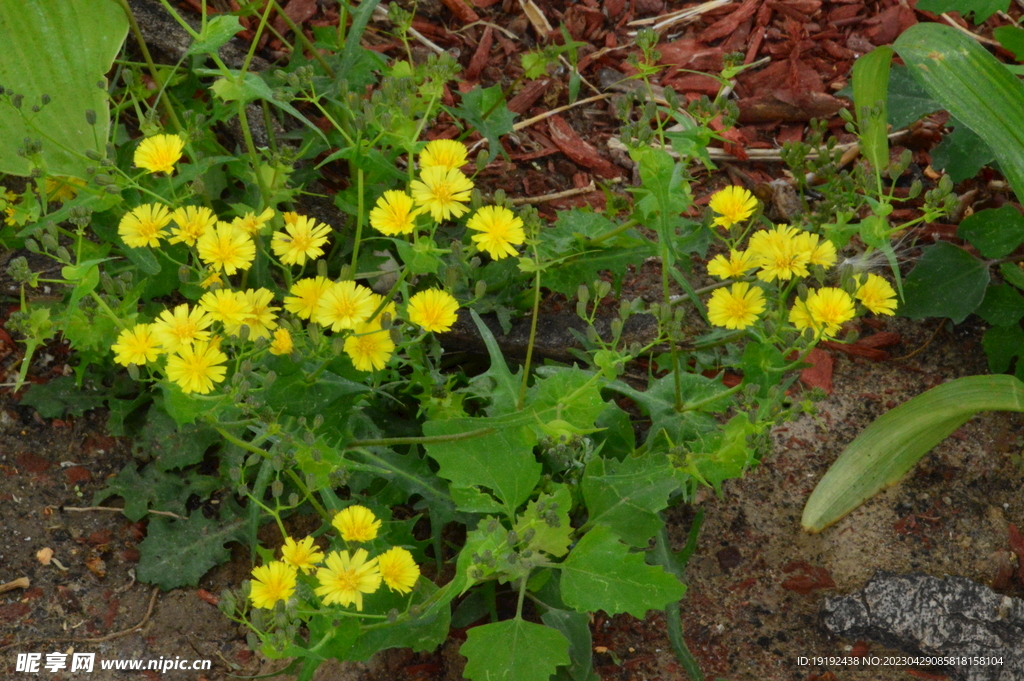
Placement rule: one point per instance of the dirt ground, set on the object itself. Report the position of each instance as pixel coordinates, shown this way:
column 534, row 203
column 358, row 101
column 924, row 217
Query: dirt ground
column 743, row 619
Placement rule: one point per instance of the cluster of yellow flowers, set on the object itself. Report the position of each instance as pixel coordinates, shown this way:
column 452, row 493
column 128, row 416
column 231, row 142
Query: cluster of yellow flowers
column 189, row 336
column 783, row 254
column 344, row 577
column 443, row 192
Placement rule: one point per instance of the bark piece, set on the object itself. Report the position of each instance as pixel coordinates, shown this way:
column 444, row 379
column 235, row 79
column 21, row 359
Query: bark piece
column 923, row 615
column 578, row 150
column 462, row 11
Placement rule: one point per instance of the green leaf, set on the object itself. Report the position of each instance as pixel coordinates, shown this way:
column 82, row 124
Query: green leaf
column 173, row 446
column 907, row 100
column 973, row 86
column 601, row 574
column 1002, row 344
column 981, row 9
column 575, row 626
column 155, row 488
column 501, row 461
column 423, row 633
column 725, row 455
column 59, row 396
column 947, row 282
column 1002, row 306
column 556, row 385
column 498, row 383
column 884, row 451
column 178, row 552
column 996, row 232
column 513, row 650
column 762, row 365
column 486, row 111
column 63, row 50
column 215, row 34
column 295, row 395
column 626, row 495
column 553, row 541
column 659, row 402
column 1012, row 38
column 1012, row 273
column 961, row 153
column 870, row 89
column 664, row 195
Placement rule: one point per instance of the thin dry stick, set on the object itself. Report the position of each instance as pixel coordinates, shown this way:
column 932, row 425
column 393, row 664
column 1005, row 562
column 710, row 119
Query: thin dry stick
column 664, row 21
column 98, row 639
column 926, row 343
column 380, row 13
column 87, row 509
column 981, row 39
column 557, row 110
column 555, row 196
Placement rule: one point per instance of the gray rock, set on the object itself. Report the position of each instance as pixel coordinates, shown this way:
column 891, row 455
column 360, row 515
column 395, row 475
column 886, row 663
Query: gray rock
column 923, row 615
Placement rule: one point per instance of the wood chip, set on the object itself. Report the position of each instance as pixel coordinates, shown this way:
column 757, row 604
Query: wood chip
column 579, row 151
column 462, row 11
column 481, row 56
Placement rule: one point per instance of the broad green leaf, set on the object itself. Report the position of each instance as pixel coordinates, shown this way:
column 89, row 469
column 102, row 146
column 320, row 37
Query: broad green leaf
column 513, row 650
column 908, row 101
column 575, row 626
column 663, row 196
column 215, row 34
column 659, row 402
column 172, row 445
column 961, row 153
column 973, row 86
column 995, row 232
column 566, row 393
column 1002, row 344
column 601, row 574
column 870, row 88
column 725, row 455
column 178, row 552
column 486, row 111
column 1012, row 38
column 500, row 461
column 980, row 9
column 60, row 396
column 294, row 395
column 63, row 50
column 583, row 268
column 947, row 282
column 498, row 383
column 626, row 495
column 423, row 633
column 762, row 365
column 484, row 553
column 1012, row 273
column 551, row 539
column 1002, row 306
column 884, row 451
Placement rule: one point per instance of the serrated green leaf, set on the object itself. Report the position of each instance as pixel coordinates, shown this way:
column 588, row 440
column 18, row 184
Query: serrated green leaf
column 293, row 394
column 59, row 396
column 486, row 111
column 601, row 574
column 890, row 446
column 215, row 34
column 627, row 495
column 497, row 383
column 725, row 455
column 762, row 365
column 947, row 282
column 567, row 393
column 995, row 232
column 500, row 461
column 173, row 446
column 659, row 402
column 961, row 153
column 1002, row 306
column 513, row 650
column 1002, row 344
column 423, row 633
column 178, row 552
column 60, row 49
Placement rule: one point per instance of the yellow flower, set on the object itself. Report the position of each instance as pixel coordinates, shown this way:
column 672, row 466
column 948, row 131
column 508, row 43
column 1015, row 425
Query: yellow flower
column 197, row 367
column 356, row 523
column 829, row 308
column 282, row 343
column 398, row 570
column 271, row 583
column 799, row 315
column 500, row 231
column 369, row 347
column 211, row 279
column 228, row 247
column 144, row 226
column 346, row 579
column 260, row 319
column 823, row 253
column 158, row 154
column 302, row 555
column 443, row 192
column 877, row 295
column 290, row 217
column 301, row 239
column 733, row 204
column 306, row 294
column 192, row 223
column 434, row 310
column 736, row 307
column 250, row 223
column 394, row 213
column 344, row 305
column 228, row 307
column 181, row 328
column 780, row 253
column 447, row 154
column 59, row 188
column 736, row 265
column 136, row 345
column 10, row 198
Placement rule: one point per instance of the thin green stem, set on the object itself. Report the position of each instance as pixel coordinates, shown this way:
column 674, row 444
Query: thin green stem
column 423, row 440
column 359, row 217
column 254, row 158
column 612, row 233
column 137, row 32
column 533, row 335
column 297, row 30
column 106, row 308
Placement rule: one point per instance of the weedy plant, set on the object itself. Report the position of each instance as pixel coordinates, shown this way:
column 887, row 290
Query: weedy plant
column 284, row 365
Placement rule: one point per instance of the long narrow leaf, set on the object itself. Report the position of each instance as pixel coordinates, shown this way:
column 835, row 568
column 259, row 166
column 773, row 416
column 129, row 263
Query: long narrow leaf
column 870, row 91
column 889, row 447
column 974, row 87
